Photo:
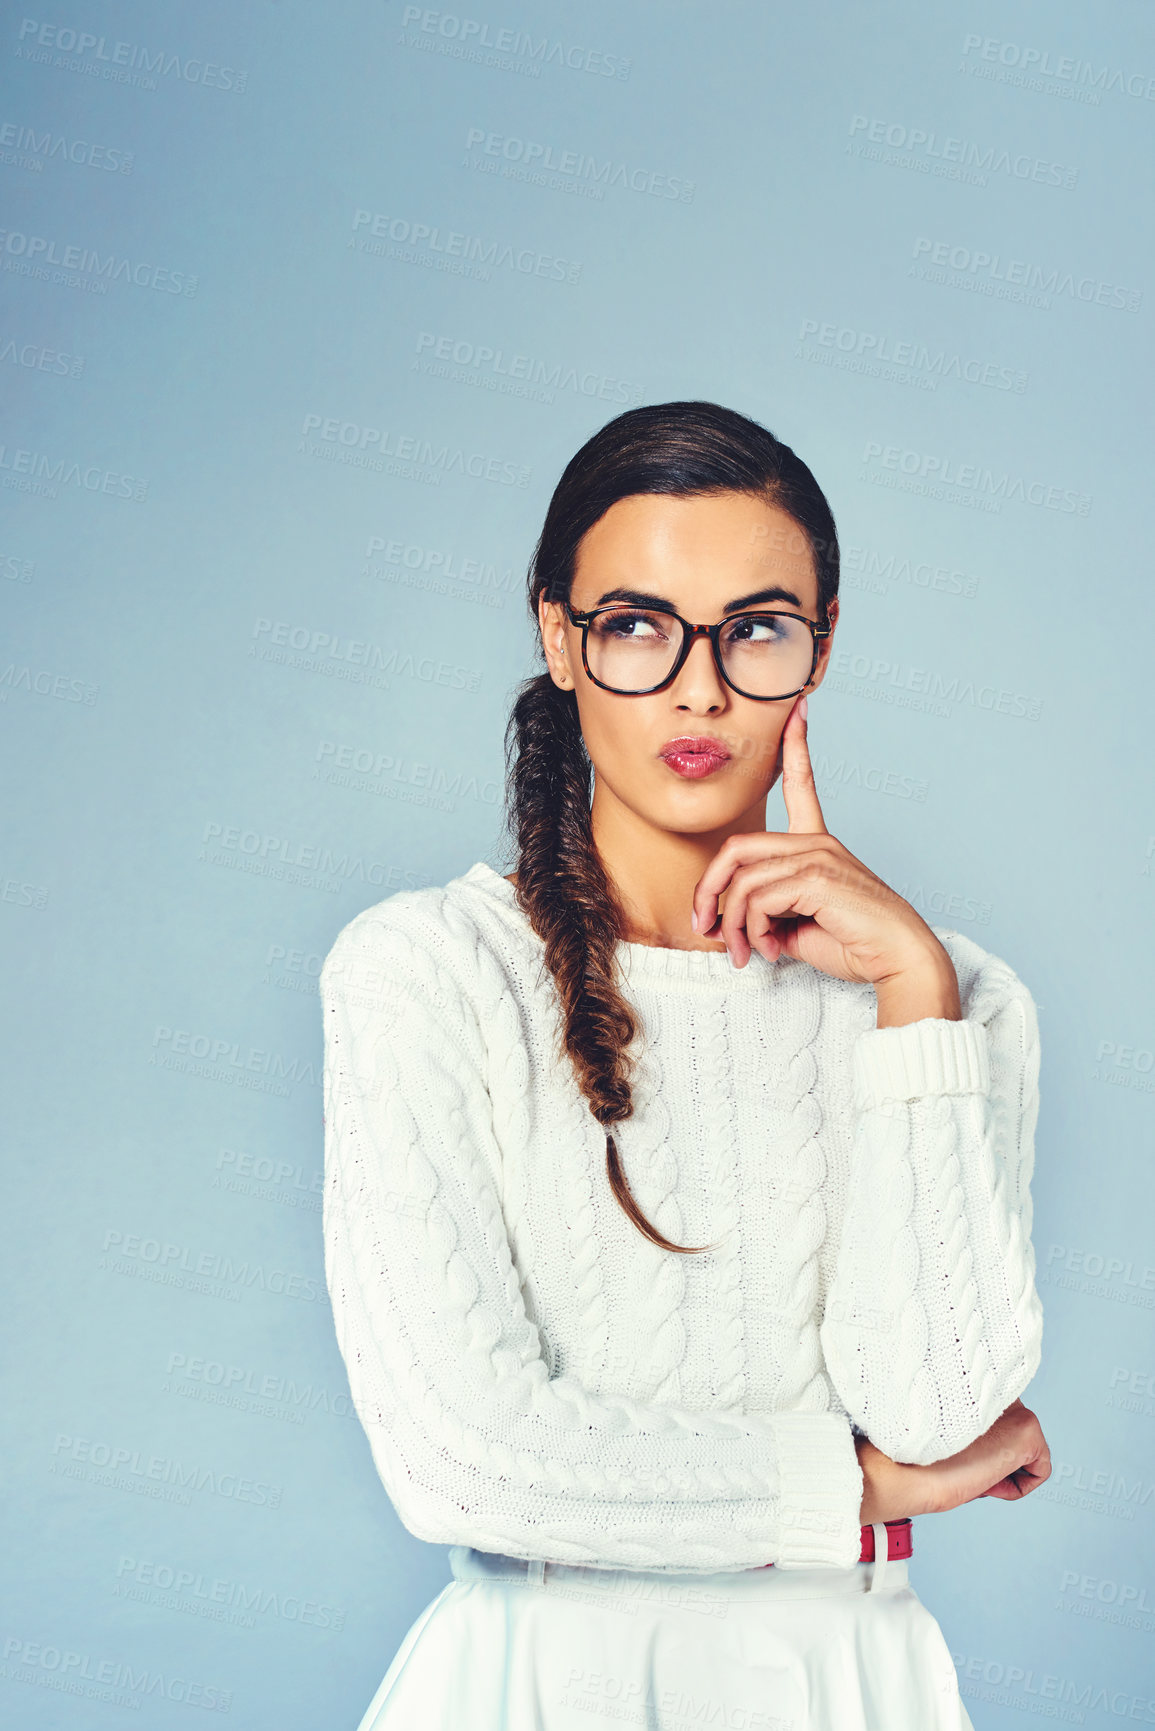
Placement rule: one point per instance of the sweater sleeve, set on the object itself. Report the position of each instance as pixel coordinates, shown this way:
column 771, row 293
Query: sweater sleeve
column 475, row 1441
column 933, row 1324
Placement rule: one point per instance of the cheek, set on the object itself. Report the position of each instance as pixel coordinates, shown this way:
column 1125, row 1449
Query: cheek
column 614, row 730
column 622, row 737
column 755, row 746
column 605, row 727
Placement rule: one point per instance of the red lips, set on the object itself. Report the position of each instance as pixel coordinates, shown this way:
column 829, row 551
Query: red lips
column 695, row 742
column 694, row 756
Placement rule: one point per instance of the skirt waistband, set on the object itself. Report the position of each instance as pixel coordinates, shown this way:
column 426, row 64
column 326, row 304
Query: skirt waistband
column 694, row 1591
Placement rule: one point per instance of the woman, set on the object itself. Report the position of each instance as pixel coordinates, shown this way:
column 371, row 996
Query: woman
column 677, row 1210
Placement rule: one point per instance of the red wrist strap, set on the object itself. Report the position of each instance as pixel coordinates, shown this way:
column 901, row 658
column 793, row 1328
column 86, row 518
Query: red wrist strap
column 899, row 1540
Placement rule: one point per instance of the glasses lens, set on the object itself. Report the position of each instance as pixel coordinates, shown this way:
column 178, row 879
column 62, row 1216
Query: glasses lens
column 767, row 654
column 633, row 649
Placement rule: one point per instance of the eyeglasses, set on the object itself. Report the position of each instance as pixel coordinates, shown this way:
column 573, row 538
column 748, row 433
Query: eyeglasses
column 635, row 650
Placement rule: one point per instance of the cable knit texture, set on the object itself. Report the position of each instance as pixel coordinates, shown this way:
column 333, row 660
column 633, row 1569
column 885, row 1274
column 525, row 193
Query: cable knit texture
column 536, row 1378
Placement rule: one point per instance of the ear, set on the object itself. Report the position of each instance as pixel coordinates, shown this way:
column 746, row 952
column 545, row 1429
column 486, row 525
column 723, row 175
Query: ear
column 825, row 645
column 553, row 623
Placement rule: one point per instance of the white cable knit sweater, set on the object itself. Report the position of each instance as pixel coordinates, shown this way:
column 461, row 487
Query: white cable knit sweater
column 534, row 1376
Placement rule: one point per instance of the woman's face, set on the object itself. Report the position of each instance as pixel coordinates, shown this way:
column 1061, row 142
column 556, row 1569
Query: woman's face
column 697, row 556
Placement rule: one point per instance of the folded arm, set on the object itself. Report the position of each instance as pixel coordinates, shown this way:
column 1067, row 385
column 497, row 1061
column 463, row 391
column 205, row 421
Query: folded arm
column 933, row 1323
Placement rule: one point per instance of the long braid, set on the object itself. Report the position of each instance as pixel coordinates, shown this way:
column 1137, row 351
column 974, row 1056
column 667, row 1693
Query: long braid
column 563, row 890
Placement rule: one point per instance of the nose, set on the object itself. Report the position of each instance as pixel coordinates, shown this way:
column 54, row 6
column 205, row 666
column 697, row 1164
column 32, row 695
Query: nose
column 699, row 687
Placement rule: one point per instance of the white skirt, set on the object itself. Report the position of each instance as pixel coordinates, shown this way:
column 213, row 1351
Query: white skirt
column 555, row 1647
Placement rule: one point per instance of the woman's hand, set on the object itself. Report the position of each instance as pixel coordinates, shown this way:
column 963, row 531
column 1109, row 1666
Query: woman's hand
column 1008, row 1461
column 801, row 893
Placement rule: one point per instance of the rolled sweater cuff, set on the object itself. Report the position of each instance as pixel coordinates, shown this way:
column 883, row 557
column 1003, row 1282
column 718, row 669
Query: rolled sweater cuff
column 931, row 1056
column 819, row 1491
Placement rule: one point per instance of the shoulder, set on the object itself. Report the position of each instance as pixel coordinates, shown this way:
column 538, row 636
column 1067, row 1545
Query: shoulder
column 440, row 935
column 991, row 992
column 408, row 916
column 985, row 979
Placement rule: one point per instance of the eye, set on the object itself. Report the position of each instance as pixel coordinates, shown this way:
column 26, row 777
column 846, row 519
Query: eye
column 757, row 628
column 633, row 625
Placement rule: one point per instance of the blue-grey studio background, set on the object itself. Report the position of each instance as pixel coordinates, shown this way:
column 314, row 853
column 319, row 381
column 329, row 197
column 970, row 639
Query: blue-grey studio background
column 305, row 308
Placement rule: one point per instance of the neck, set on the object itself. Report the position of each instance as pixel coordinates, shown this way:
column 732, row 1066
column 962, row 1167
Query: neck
column 654, row 871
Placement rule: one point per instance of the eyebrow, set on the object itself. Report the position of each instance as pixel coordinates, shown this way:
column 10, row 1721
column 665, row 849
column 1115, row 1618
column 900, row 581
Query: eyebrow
column 636, row 598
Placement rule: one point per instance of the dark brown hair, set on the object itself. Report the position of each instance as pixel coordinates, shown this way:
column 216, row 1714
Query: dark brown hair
column 689, row 448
